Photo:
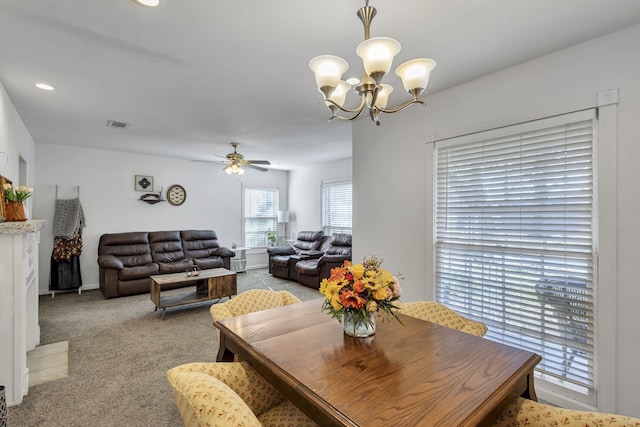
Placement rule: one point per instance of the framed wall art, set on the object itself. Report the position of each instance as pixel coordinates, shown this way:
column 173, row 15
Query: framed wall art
column 144, row 183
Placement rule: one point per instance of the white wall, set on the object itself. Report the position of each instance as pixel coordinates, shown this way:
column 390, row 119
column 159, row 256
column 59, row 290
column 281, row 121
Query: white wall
column 111, row 205
column 305, row 193
column 15, row 144
column 389, row 195
column 561, row 82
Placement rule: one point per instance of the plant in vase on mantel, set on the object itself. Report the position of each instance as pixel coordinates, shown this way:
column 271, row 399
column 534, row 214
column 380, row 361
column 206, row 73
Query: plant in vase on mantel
column 355, row 293
column 14, row 199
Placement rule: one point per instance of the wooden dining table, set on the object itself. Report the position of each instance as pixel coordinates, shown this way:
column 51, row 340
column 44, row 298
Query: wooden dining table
column 414, row 373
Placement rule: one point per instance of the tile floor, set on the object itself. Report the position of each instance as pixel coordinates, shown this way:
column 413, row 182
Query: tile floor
column 48, row 362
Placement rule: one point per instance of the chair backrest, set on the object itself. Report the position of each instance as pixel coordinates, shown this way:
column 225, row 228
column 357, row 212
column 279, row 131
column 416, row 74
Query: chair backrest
column 527, row 412
column 340, row 245
column 250, row 301
column 308, row 240
column 221, row 394
column 442, row 315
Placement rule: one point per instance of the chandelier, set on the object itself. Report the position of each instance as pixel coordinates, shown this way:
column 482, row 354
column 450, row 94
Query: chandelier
column 377, row 55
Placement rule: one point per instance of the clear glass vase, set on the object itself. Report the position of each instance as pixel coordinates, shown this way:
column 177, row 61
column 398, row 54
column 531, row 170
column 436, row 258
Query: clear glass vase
column 357, row 326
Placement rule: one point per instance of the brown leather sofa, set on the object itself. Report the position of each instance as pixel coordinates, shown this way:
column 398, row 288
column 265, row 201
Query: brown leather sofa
column 283, row 259
column 312, row 271
column 127, row 260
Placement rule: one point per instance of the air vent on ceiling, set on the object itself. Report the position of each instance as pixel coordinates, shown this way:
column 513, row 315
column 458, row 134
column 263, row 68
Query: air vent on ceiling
column 116, row 124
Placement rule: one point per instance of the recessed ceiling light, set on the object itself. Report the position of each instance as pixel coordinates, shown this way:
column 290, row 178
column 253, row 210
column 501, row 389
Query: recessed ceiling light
column 45, row 86
column 353, row 81
column 149, row 3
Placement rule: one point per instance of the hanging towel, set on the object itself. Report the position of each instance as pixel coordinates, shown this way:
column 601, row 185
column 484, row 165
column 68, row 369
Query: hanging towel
column 68, row 219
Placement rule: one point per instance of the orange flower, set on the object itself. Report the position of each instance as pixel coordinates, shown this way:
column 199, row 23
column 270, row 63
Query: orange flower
column 350, row 299
column 358, row 287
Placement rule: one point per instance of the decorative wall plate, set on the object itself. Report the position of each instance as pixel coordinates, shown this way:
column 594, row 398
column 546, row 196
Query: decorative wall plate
column 144, row 183
column 176, row 195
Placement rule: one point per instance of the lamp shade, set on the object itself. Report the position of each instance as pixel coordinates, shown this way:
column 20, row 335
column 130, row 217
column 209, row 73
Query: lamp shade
column 377, row 54
column 283, row 216
column 415, row 73
column 328, row 70
column 339, row 94
column 383, row 96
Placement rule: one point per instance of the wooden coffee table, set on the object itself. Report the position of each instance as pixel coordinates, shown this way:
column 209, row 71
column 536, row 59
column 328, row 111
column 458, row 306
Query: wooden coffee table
column 220, row 283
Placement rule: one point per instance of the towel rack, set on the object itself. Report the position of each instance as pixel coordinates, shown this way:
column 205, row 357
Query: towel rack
column 77, row 188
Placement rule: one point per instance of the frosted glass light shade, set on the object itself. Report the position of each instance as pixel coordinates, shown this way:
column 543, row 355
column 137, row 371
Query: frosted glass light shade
column 339, row 94
column 328, row 70
column 234, row 168
column 415, row 73
column 377, row 54
column 383, row 96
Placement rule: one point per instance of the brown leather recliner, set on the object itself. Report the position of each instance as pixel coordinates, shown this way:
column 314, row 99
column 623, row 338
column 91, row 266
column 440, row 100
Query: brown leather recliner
column 312, row 271
column 127, row 260
column 283, row 259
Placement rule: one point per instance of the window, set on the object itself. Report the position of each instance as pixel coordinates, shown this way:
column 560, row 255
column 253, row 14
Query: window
column 260, row 215
column 514, row 241
column 336, row 207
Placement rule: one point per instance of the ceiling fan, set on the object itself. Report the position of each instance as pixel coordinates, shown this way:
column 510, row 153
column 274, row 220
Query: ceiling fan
column 236, row 162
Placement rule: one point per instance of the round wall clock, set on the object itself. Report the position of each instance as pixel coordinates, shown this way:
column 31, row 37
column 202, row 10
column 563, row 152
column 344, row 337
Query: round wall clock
column 176, row 195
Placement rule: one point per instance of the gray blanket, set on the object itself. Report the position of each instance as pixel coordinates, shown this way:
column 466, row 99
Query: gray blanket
column 68, row 219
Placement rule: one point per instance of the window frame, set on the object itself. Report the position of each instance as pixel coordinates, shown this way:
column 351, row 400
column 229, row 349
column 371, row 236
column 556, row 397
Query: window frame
column 327, row 185
column 591, row 400
column 257, row 243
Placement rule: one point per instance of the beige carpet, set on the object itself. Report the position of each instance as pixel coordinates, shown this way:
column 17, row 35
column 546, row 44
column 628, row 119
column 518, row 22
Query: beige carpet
column 119, row 351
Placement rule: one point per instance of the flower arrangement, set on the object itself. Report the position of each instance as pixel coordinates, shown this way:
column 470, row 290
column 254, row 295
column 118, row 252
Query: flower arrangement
column 360, row 290
column 20, row 194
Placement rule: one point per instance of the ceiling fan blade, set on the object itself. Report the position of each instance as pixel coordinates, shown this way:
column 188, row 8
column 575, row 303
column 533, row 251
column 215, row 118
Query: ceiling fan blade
column 220, row 162
column 261, row 169
column 258, row 162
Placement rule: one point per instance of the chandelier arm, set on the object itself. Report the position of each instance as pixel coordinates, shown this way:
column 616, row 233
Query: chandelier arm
column 403, row 106
column 348, row 110
column 355, row 116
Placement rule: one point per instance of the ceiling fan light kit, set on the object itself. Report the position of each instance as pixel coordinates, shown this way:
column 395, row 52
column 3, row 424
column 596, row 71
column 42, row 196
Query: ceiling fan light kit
column 237, row 161
column 377, row 56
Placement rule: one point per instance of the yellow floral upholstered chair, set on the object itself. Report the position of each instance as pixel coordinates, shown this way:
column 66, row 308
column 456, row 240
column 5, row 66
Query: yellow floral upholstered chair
column 442, row 315
column 250, row 301
column 230, row 394
column 524, row 412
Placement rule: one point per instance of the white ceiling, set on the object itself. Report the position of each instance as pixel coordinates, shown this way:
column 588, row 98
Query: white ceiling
column 193, row 75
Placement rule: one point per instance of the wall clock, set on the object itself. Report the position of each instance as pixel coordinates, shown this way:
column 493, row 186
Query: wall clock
column 176, row 195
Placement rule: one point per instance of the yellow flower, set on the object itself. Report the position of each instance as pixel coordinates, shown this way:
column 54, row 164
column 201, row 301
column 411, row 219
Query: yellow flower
column 380, row 294
column 357, row 271
column 335, row 302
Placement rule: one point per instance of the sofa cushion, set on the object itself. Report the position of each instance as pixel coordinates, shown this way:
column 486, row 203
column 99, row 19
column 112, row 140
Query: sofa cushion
column 199, row 243
column 166, row 246
column 138, row 272
column 308, row 240
column 307, row 267
column 174, row 267
column 131, row 248
column 280, row 260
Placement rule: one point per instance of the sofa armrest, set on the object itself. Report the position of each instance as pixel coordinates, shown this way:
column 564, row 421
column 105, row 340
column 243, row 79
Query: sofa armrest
column 281, row 250
column 310, row 254
column 335, row 260
column 223, row 252
column 110, row 261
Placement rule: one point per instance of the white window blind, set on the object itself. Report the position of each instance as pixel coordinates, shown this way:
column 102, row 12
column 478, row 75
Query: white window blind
column 336, row 207
column 515, row 243
column 260, row 215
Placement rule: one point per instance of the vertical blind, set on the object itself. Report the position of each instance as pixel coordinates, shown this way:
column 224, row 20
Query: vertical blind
column 336, row 207
column 260, row 215
column 514, row 243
